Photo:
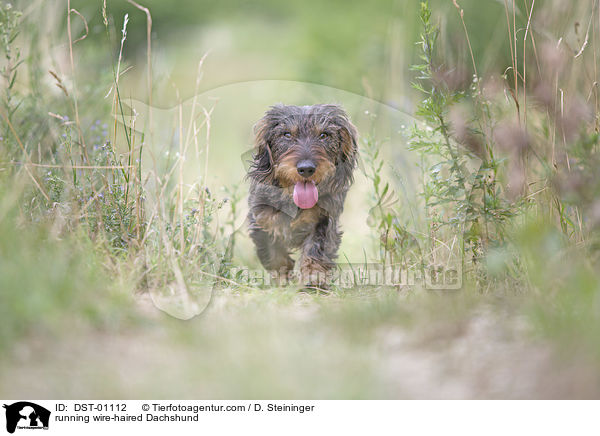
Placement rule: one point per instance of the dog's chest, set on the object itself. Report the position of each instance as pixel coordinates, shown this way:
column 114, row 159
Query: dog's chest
column 304, row 223
column 306, row 218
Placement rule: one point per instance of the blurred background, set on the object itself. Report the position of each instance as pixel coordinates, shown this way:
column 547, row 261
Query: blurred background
column 345, row 45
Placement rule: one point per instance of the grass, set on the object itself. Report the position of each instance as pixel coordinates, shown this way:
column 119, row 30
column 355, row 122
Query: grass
column 112, row 208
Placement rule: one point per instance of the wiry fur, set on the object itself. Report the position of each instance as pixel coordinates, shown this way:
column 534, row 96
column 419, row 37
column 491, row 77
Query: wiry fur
column 283, row 137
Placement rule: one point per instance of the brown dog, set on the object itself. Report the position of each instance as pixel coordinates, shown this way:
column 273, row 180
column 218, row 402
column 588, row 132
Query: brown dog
column 299, row 177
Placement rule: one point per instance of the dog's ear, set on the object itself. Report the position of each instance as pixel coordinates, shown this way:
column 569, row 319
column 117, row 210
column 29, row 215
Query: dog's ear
column 348, row 153
column 262, row 164
column 349, row 142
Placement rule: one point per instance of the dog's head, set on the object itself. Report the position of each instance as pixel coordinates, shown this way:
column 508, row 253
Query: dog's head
column 309, row 148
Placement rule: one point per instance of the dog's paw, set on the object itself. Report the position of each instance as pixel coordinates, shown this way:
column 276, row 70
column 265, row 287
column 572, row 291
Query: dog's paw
column 315, row 273
column 284, row 275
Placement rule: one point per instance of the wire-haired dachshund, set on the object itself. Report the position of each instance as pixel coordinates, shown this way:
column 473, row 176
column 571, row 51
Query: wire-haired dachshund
column 299, row 176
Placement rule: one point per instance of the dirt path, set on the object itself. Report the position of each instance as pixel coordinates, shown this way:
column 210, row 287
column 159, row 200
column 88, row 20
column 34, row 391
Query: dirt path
column 276, row 344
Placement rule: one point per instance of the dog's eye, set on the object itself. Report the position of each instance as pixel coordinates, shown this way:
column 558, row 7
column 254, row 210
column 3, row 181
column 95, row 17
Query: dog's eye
column 323, row 135
column 287, row 134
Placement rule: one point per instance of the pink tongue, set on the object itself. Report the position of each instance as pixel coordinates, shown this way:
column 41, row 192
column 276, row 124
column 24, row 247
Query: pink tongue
column 305, row 195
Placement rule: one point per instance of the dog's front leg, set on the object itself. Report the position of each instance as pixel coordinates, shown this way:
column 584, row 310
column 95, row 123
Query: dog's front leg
column 268, row 229
column 319, row 252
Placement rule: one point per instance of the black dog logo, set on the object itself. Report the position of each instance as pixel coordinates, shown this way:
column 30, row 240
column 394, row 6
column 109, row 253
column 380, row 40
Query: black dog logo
column 26, row 415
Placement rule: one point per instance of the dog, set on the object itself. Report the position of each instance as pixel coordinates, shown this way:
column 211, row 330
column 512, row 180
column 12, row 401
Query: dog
column 299, row 175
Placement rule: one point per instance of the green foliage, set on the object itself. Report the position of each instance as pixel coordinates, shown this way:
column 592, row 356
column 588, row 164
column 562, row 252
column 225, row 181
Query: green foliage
column 434, row 141
column 578, row 190
column 532, row 218
column 86, row 207
column 48, row 286
column 460, row 185
column 9, row 30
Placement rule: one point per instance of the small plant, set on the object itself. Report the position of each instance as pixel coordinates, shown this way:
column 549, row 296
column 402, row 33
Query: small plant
column 458, row 192
column 234, row 196
column 9, row 30
column 397, row 246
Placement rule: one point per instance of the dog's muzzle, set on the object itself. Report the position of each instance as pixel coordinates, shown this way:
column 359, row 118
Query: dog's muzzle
column 306, row 168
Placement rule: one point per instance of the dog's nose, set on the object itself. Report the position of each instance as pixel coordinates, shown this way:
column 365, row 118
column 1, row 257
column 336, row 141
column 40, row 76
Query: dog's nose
column 306, row 168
